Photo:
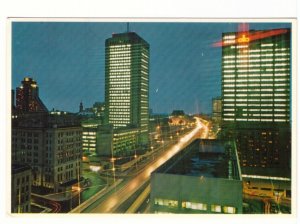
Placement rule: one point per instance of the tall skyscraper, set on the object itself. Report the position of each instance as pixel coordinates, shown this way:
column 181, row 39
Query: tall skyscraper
column 256, row 76
column 256, row 96
column 27, row 98
column 127, row 83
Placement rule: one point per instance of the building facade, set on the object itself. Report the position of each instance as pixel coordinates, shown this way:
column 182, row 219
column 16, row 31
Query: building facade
column 27, row 97
column 204, row 177
column 256, row 97
column 127, row 83
column 217, row 110
column 256, row 76
column 20, row 189
column 121, row 142
column 51, row 145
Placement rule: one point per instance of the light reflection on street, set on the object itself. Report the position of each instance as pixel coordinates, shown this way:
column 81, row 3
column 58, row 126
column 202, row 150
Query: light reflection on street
column 122, row 194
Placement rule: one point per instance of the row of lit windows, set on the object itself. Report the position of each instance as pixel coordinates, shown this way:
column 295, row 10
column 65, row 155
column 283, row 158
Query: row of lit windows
column 117, row 93
column 256, row 95
column 89, row 133
column 118, row 62
column 119, row 103
column 89, row 137
column 123, row 96
column 119, row 46
column 265, row 110
column 117, row 74
column 254, row 100
column 257, row 115
column 229, row 37
column 254, row 70
column 194, row 206
column 255, row 119
column 120, row 112
column 120, row 52
column 253, row 85
column 256, row 65
column 117, row 88
column 255, row 80
column 119, row 69
column 119, row 57
column 257, row 105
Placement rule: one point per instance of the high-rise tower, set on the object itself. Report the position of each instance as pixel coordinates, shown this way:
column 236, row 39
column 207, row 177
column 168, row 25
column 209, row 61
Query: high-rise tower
column 27, row 98
column 256, row 96
column 256, row 76
column 127, row 83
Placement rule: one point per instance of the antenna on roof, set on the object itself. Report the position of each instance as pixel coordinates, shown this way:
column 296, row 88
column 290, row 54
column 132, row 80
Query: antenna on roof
column 127, row 27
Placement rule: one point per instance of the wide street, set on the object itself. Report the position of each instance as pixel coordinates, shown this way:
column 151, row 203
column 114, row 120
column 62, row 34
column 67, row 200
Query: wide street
column 129, row 186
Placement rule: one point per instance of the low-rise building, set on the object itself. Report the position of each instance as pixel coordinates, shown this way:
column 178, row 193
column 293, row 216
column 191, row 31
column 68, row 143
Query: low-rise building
column 204, row 177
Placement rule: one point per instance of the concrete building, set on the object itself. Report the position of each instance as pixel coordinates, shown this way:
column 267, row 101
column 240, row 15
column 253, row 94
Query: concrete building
column 204, row 177
column 127, row 83
column 256, row 97
column 121, row 142
column 20, row 189
column 91, row 129
column 51, row 145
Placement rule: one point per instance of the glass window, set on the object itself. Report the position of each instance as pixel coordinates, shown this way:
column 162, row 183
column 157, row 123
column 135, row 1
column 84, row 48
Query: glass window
column 195, row 206
column 230, row 210
column 216, row 208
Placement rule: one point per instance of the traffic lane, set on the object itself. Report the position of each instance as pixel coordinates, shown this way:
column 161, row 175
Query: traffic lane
column 118, row 197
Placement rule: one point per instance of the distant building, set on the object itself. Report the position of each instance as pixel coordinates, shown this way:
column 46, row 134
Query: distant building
column 91, row 129
column 20, row 189
column 80, row 107
column 217, row 110
column 178, row 113
column 121, row 142
column 204, row 177
column 99, row 109
column 27, row 97
column 256, row 97
column 51, row 145
column 127, row 83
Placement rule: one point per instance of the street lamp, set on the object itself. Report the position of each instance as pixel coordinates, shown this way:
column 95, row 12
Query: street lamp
column 152, row 152
column 113, row 168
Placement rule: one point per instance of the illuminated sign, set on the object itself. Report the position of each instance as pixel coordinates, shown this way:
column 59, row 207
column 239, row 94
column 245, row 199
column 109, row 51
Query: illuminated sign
column 243, row 39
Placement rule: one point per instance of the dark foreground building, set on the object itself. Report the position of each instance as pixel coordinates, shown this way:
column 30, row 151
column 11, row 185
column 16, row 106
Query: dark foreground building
column 205, row 177
column 20, row 188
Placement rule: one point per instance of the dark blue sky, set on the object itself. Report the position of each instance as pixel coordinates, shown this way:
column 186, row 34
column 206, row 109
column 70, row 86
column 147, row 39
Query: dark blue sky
column 67, row 61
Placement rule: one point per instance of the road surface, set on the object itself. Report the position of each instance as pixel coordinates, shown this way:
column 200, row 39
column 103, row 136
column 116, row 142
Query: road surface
column 120, row 195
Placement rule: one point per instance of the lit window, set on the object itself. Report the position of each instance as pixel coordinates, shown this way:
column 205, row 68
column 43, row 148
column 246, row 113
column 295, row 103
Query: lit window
column 195, row 206
column 216, row 208
column 230, row 210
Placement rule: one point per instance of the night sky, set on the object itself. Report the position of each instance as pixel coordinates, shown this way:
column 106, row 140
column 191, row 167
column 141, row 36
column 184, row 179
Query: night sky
column 68, row 61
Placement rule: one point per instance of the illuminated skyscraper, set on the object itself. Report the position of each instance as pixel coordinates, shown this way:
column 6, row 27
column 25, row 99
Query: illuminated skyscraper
column 27, row 99
column 256, row 76
column 127, row 83
column 256, row 96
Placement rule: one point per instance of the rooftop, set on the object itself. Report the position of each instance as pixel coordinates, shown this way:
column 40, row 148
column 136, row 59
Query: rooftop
column 205, row 158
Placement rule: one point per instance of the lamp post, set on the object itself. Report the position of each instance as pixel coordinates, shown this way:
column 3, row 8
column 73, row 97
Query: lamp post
column 152, row 152
column 78, row 176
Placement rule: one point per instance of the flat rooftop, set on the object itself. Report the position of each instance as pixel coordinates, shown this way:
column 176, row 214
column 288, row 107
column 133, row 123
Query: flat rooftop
column 205, row 158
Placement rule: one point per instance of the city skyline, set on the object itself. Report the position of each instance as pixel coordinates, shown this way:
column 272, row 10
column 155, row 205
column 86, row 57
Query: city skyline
column 185, row 71
column 251, row 61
